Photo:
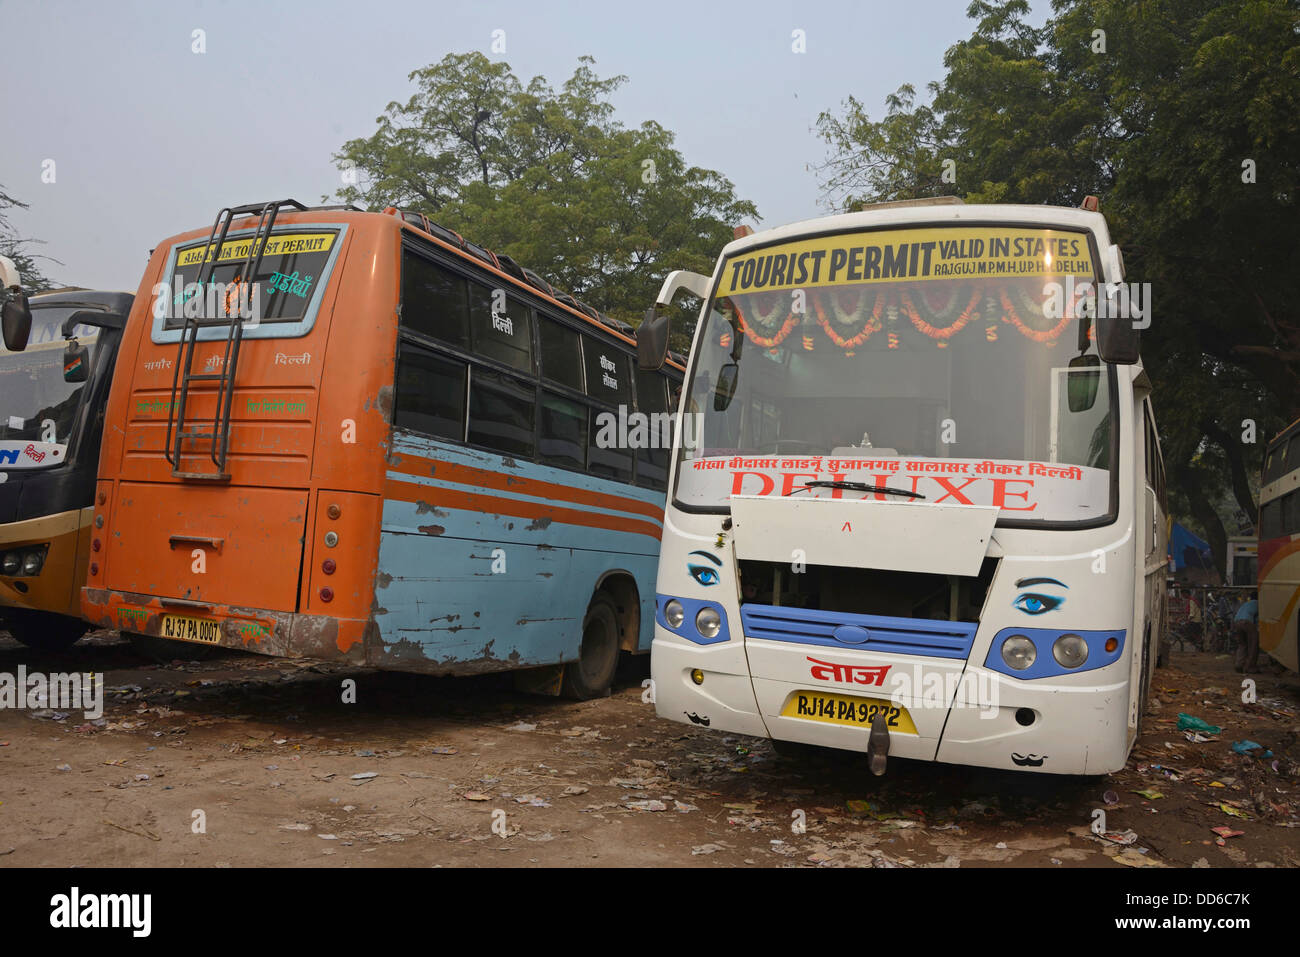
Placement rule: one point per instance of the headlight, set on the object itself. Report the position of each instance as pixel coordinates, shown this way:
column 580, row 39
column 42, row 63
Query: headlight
column 708, row 622
column 33, row 560
column 674, row 613
column 1070, row 651
column 1019, row 652
column 11, row 563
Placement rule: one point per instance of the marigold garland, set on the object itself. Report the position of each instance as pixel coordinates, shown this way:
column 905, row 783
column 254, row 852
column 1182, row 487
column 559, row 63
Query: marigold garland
column 871, row 325
column 1038, row 335
column 931, row 331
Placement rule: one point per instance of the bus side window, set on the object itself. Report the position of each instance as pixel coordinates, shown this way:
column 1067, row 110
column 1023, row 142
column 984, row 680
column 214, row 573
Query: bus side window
column 608, row 372
column 1291, row 512
column 611, row 462
column 435, row 302
column 501, row 327
column 560, row 354
column 501, row 412
column 430, row 393
column 1270, row 520
column 562, row 432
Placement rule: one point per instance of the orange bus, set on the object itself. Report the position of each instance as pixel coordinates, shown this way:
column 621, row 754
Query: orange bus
column 355, row 435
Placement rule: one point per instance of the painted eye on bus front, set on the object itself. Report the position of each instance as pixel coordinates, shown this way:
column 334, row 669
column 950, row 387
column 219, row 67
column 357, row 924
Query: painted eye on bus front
column 1033, row 604
column 1038, row 603
column 703, row 573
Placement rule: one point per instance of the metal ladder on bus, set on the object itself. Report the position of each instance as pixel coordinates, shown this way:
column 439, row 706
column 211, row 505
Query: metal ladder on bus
column 182, row 374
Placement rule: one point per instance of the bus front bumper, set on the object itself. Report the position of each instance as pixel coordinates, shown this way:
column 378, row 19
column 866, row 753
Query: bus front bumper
column 276, row 633
column 955, row 712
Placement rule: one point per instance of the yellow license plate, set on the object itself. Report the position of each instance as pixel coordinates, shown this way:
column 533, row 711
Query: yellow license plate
column 847, row 709
column 191, row 629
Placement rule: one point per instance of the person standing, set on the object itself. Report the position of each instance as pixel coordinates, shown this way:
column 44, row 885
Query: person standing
column 1245, row 631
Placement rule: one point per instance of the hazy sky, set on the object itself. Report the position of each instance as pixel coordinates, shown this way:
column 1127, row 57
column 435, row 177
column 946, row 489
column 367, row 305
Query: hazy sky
column 149, row 138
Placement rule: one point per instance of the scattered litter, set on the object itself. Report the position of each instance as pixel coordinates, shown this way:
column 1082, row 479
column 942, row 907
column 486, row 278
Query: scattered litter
column 1224, row 831
column 1124, row 838
column 1233, row 811
column 521, row 726
column 683, row 807
column 366, row 753
column 64, row 767
column 1151, row 794
column 706, row 849
column 328, row 837
column 1110, row 798
column 295, row 827
column 647, row 805
column 443, row 749
column 475, row 796
column 1252, row 749
column 365, row 775
column 532, row 800
column 573, row 789
column 1190, row 722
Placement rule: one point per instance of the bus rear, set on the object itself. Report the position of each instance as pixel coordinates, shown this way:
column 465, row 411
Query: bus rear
column 230, row 509
column 914, row 512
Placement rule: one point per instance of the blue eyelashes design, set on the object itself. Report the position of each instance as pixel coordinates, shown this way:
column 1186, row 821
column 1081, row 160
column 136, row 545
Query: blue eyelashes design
column 703, row 573
column 1038, row 603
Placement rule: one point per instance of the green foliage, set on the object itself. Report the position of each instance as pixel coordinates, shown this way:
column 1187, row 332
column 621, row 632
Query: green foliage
column 549, row 178
column 16, row 248
column 1158, row 124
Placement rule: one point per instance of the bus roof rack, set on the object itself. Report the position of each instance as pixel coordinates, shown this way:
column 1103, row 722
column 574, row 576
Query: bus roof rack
column 512, row 268
column 902, row 203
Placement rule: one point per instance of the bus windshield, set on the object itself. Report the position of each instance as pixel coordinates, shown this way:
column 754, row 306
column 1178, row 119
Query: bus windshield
column 36, row 405
column 933, row 360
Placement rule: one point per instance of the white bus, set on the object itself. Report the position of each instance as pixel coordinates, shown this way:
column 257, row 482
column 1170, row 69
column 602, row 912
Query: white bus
column 916, row 505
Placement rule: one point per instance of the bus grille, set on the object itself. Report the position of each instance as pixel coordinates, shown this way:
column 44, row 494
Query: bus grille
column 899, row 636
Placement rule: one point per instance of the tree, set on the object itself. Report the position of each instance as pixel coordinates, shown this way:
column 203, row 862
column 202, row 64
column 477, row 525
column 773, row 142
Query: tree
column 1180, row 115
column 15, row 247
column 550, row 178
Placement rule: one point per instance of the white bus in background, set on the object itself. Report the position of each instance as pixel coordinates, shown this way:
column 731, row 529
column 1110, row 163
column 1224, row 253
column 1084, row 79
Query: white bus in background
column 916, row 505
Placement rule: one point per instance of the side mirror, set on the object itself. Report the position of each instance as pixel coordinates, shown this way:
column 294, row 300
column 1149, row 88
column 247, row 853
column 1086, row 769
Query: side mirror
column 652, row 341
column 16, row 322
column 725, row 390
column 76, row 362
column 1081, row 382
column 1117, row 340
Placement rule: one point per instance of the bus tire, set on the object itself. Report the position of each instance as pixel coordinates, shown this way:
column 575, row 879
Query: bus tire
column 164, row 650
column 591, row 675
column 43, row 630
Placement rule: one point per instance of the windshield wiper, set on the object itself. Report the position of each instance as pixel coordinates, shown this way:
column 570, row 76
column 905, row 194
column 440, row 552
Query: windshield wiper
column 857, row 487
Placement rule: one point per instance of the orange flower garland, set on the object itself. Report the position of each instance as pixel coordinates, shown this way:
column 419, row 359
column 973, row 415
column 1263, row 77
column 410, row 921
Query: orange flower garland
column 1038, row 335
column 931, row 331
column 872, row 324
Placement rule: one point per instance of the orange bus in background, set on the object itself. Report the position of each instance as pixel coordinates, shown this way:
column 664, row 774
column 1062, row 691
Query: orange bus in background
column 393, row 462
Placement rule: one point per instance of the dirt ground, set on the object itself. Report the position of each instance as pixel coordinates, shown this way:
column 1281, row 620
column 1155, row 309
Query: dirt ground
column 277, row 770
